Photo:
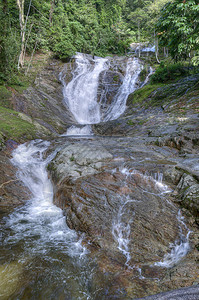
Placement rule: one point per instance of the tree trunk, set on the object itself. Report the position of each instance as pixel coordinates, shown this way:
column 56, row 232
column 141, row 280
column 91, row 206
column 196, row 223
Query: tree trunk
column 5, row 4
column 139, row 36
column 23, row 24
column 20, row 4
column 156, row 47
column 52, row 7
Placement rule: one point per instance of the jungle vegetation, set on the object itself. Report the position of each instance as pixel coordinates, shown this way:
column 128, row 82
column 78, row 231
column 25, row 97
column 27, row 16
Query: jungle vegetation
column 97, row 27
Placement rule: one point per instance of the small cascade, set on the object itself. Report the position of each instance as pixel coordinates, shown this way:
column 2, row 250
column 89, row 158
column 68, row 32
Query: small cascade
column 74, row 130
column 179, row 248
column 39, row 220
column 156, row 180
column 129, row 85
column 148, row 76
column 121, row 230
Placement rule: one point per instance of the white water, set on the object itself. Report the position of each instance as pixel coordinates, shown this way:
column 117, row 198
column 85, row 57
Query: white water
column 179, row 248
column 74, row 130
column 128, row 86
column 156, row 180
column 39, row 221
column 81, row 93
column 148, row 76
column 121, row 230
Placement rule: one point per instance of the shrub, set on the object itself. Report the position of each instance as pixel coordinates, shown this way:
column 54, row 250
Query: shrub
column 170, row 72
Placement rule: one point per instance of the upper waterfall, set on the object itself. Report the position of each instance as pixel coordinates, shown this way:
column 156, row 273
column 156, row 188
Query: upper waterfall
column 83, row 94
column 80, row 95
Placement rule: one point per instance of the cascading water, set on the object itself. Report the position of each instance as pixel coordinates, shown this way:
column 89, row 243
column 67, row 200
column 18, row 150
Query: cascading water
column 39, row 217
column 121, row 230
column 179, row 248
column 129, row 86
column 37, row 236
column 81, row 93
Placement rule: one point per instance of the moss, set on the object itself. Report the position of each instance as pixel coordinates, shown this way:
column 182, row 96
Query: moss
column 5, row 96
column 143, row 73
column 141, row 94
column 116, row 78
column 72, row 158
column 141, row 122
column 42, row 104
column 13, row 127
column 21, row 86
column 130, row 122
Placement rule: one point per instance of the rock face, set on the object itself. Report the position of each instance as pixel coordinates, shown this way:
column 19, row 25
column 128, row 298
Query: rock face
column 12, row 192
column 190, row 293
column 43, row 101
column 109, row 190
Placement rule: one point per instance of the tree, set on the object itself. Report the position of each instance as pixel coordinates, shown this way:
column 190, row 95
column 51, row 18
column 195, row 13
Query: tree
column 178, row 28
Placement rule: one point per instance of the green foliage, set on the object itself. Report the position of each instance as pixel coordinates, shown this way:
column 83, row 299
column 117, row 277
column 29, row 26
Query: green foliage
column 142, row 17
column 169, row 72
column 143, row 73
column 9, row 43
column 178, row 28
column 97, row 27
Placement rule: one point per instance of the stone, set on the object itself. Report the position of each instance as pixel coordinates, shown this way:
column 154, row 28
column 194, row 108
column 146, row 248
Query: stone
column 107, row 190
column 188, row 293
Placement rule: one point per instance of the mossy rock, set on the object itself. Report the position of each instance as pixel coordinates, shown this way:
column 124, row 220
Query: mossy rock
column 142, row 94
column 13, row 127
column 153, row 95
column 5, row 97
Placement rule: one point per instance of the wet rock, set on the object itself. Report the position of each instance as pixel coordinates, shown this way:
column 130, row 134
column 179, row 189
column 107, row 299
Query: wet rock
column 79, row 160
column 43, row 100
column 116, row 202
column 12, row 191
column 189, row 190
column 10, row 280
column 189, row 293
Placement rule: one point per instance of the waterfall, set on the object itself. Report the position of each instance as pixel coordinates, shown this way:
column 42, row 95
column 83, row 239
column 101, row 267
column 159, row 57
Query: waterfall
column 129, row 86
column 81, row 93
column 39, row 217
column 179, row 248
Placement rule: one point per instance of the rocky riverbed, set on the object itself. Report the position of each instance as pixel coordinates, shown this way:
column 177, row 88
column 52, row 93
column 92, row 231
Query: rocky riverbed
column 132, row 190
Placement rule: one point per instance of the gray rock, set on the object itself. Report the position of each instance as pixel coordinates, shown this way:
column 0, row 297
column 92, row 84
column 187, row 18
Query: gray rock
column 189, row 293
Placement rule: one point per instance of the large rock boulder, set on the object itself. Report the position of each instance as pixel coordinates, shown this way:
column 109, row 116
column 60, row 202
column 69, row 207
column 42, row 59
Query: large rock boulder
column 110, row 191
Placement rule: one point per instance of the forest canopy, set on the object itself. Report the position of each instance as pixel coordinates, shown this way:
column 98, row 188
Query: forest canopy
column 97, row 27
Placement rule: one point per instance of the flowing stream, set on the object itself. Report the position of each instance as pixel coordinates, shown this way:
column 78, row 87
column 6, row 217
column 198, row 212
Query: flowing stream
column 121, row 229
column 36, row 237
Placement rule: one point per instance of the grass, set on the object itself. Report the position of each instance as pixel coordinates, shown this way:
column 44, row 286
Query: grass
column 141, row 94
column 5, row 96
column 13, row 127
